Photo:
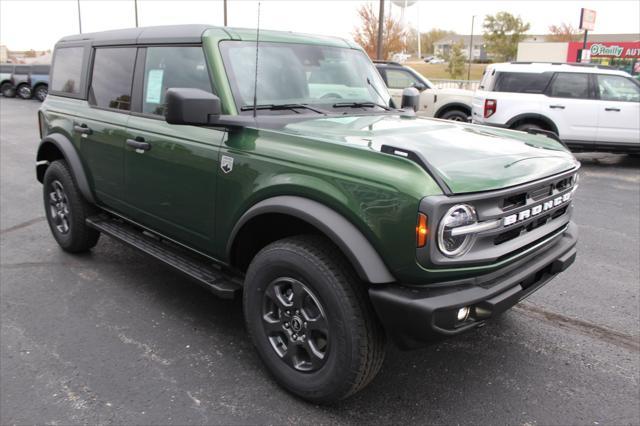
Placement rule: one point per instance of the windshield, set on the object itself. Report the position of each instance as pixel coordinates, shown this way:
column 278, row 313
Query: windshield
column 301, row 74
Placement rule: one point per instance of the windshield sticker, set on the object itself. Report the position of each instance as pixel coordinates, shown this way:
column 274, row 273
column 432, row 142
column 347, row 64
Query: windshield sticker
column 154, row 86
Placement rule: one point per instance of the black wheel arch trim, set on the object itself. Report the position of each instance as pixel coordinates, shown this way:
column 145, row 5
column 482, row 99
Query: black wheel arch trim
column 72, row 158
column 533, row 116
column 356, row 247
column 452, row 105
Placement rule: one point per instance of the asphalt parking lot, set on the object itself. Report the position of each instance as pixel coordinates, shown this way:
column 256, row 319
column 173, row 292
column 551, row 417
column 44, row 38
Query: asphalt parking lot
column 113, row 337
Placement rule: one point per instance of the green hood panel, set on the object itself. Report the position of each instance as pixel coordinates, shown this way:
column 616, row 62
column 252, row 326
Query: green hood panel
column 469, row 158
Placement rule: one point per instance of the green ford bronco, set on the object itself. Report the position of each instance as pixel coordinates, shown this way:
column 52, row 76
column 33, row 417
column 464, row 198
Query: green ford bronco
column 297, row 182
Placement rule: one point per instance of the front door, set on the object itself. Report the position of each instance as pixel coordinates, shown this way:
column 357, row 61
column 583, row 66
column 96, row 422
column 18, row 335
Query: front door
column 398, row 79
column 170, row 170
column 618, row 109
column 101, row 130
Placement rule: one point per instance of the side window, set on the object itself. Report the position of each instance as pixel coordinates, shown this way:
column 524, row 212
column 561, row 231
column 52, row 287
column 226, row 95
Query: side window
column 521, row 82
column 399, row 79
column 570, row 85
column 67, row 70
column 112, row 77
column 173, row 66
column 618, row 88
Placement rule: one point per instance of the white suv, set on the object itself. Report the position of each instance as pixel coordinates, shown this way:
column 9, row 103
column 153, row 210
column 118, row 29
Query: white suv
column 588, row 107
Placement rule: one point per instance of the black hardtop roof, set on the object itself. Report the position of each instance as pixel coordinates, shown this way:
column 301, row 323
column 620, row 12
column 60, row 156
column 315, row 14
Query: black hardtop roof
column 144, row 35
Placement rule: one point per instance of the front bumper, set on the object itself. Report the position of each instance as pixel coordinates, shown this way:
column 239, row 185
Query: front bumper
column 414, row 316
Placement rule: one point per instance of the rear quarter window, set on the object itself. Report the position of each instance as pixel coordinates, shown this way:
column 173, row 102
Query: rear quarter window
column 40, row 69
column 520, row 82
column 66, row 74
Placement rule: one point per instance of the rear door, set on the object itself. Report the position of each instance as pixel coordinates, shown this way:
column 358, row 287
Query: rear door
column 101, row 132
column 171, row 184
column 571, row 105
column 618, row 109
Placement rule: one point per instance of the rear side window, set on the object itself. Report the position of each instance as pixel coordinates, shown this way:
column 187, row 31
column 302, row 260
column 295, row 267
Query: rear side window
column 22, row 69
column 618, row 88
column 172, row 66
column 520, row 82
column 570, row 85
column 112, row 78
column 67, row 70
column 40, row 69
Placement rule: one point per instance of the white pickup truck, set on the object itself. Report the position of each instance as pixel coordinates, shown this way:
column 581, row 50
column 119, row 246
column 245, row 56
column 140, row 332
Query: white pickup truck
column 448, row 104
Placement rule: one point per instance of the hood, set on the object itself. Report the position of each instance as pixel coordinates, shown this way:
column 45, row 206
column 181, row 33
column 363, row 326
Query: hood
column 467, row 157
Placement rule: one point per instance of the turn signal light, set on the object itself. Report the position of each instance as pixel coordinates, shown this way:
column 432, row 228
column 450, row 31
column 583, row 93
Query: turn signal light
column 421, row 230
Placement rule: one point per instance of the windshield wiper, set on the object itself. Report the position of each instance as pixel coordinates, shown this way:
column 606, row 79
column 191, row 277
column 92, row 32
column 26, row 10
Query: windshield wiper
column 360, row 105
column 279, row 107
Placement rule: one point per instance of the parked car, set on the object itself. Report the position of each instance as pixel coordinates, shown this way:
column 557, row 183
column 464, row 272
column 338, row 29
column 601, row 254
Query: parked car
column 448, row 104
column 427, row 59
column 20, row 80
column 6, row 86
column 589, row 107
column 437, row 61
column 400, row 57
column 341, row 219
column 39, row 81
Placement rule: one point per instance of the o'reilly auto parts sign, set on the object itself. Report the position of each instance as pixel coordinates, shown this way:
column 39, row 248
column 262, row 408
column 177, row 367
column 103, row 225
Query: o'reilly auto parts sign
column 614, row 50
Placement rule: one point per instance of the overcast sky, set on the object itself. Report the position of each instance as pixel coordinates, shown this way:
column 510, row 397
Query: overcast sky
column 26, row 24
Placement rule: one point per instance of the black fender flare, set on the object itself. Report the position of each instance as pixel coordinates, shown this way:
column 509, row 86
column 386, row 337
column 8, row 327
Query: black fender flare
column 358, row 250
column 533, row 116
column 72, row 158
column 452, row 105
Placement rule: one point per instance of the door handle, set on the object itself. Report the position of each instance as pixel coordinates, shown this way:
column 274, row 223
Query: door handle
column 139, row 144
column 82, row 129
column 612, row 109
column 556, row 106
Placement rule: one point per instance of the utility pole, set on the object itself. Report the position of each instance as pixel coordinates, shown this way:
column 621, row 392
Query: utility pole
column 79, row 18
column 419, row 37
column 225, row 13
column 135, row 5
column 380, row 30
column 470, row 49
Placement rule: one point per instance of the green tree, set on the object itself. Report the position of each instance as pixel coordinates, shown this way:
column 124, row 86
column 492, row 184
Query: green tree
column 455, row 67
column 427, row 40
column 502, row 33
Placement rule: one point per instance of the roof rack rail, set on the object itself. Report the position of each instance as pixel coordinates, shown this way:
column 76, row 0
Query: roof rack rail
column 573, row 64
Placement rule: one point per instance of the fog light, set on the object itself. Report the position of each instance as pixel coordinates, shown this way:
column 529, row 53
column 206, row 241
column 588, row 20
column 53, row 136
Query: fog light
column 463, row 313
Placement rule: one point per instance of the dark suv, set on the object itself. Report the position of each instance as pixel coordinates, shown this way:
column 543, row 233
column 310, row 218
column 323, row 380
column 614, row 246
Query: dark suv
column 340, row 219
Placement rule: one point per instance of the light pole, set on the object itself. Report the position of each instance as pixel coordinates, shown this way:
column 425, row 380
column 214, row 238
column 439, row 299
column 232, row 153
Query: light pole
column 135, row 5
column 225, row 12
column 79, row 18
column 470, row 49
column 380, row 25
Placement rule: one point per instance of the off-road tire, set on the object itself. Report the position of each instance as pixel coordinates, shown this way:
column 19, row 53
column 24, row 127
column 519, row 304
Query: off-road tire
column 455, row 115
column 356, row 340
column 79, row 237
column 41, row 92
column 526, row 126
column 7, row 90
column 24, row 91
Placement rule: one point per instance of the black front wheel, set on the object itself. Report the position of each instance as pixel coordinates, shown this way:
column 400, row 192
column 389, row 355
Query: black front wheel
column 24, row 91
column 456, row 115
column 310, row 319
column 67, row 210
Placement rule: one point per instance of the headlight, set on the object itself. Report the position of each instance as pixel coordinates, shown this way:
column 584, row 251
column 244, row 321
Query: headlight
column 457, row 216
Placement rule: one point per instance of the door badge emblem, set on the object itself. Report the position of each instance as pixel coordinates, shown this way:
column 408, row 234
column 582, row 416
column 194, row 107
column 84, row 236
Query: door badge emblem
column 226, row 164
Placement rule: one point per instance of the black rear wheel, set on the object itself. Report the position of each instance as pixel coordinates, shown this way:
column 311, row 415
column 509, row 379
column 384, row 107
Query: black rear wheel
column 8, row 91
column 67, row 210
column 41, row 93
column 310, row 319
column 456, row 115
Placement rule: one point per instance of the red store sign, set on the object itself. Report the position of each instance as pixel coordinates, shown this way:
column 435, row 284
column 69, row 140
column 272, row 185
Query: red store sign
column 622, row 50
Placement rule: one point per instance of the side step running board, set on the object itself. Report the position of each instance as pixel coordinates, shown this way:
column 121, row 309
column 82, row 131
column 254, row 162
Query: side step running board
column 199, row 270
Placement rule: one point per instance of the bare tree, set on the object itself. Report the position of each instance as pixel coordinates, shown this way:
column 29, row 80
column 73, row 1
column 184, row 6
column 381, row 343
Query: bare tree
column 563, row 32
column 366, row 34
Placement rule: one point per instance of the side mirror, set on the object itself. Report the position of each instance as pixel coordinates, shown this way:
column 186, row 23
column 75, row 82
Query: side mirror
column 420, row 86
column 410, row 98
column 191, row 106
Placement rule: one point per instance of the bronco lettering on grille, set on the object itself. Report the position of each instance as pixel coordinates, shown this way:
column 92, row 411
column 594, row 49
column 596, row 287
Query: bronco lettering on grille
column 536, row 210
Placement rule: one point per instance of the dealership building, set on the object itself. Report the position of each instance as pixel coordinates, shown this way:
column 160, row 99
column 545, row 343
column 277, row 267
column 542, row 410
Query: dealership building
column 616, row 50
